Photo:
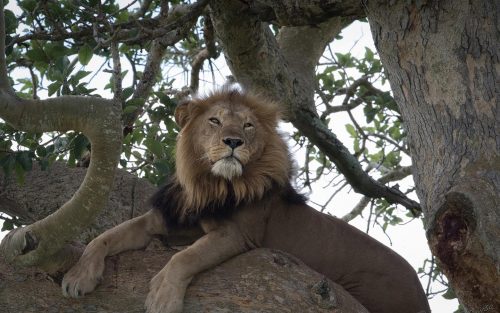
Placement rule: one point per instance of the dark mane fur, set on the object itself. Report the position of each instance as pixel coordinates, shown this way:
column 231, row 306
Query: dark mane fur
column 168, row 200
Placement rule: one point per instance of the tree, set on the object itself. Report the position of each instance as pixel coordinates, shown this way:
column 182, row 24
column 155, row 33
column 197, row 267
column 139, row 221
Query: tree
column 440, row 58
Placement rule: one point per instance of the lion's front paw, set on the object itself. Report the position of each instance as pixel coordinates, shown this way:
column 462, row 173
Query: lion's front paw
column 83, row 277
column 165, row 296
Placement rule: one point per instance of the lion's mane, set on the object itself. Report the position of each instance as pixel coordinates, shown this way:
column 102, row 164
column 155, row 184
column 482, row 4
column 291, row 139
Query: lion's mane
column 193, row 192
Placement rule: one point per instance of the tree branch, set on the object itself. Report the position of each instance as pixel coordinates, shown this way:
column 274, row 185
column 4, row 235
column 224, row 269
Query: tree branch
column 389, row 177
column 210, row 51
column 258, row 63
column 117, row 72
column 96, row 118
column 182, row 16
column 301, row 13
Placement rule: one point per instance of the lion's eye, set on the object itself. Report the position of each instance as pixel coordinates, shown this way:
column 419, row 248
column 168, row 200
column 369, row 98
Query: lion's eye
column 248, row 125
column 214, row 121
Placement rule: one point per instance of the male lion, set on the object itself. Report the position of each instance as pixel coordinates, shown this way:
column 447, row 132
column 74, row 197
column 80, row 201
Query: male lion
column 233, row 179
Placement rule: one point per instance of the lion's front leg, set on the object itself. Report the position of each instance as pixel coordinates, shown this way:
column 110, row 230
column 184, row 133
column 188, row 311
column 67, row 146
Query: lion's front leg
column 133, row 234
column 168, row 287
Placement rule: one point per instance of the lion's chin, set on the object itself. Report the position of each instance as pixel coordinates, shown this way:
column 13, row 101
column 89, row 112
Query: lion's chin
column 228, row 168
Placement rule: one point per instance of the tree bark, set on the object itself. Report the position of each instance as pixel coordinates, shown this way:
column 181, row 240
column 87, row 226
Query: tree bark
column 258, row 281
column 43, row 192
column 261, row 280
column 442, row 58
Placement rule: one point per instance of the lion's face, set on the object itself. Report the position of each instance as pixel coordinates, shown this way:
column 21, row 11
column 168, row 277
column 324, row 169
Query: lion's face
column 229, row 137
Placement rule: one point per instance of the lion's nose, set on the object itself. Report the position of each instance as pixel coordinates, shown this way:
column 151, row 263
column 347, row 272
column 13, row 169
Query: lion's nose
column 233, row 142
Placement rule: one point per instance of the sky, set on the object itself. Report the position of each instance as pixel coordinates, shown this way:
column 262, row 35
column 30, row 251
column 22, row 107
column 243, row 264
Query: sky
column 408, row 240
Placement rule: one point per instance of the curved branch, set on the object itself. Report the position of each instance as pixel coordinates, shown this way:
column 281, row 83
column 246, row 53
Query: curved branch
column 96, row 118
column 99, row 120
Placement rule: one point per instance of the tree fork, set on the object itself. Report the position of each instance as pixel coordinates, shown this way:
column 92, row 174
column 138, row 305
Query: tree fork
column 257, row 60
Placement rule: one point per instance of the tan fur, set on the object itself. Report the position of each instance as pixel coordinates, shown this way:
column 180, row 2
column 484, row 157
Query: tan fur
column 263, row 163
column 265, row 214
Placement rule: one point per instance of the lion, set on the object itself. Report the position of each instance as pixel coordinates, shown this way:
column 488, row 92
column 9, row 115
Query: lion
column 233, row 179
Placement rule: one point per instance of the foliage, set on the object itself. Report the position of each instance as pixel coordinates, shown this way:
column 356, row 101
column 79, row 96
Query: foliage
column 56, row 62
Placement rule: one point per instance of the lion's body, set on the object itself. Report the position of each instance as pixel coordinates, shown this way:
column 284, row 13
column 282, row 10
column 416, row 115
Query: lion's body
column 233, row 179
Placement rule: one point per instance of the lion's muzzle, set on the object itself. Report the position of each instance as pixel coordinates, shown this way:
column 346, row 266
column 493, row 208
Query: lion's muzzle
column 228, row 168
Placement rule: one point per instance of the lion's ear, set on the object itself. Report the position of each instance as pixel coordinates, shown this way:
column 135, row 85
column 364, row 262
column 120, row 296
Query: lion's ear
column 182, row 112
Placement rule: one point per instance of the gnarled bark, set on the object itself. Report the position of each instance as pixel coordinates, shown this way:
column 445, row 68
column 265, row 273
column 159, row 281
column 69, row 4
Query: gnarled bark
column 443, row 61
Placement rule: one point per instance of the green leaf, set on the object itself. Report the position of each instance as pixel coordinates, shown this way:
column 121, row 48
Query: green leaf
column 8, row 162
column 138, row 102
column 54, row 87
column 129, row 109
column 123, row 16
column 11, row 22
column 344, row 60
column 369, row 55
column 449, row 294
column 28, row 5
column 55, row 50
column 162, row 166
column 37, row 54
column 370, row 112
column 154, row 146
column 356, row 145
column 123, row 163
column 55, row 74
column 24, row 160
column 137, row 155
column 41, row 151
column 81, row 74
column 80, row 143
column 351, row 130
column 85, row 54
column 20, row 173
column 7, row 225
column 393, row 158
column 127, row 92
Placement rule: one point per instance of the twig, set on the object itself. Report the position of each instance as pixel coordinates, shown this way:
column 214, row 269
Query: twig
column 431, row 269
column 34, row 82
column 117, row 72
column 394, row 175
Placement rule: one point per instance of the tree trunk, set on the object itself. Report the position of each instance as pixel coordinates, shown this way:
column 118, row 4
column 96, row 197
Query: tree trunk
column 442, row 59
